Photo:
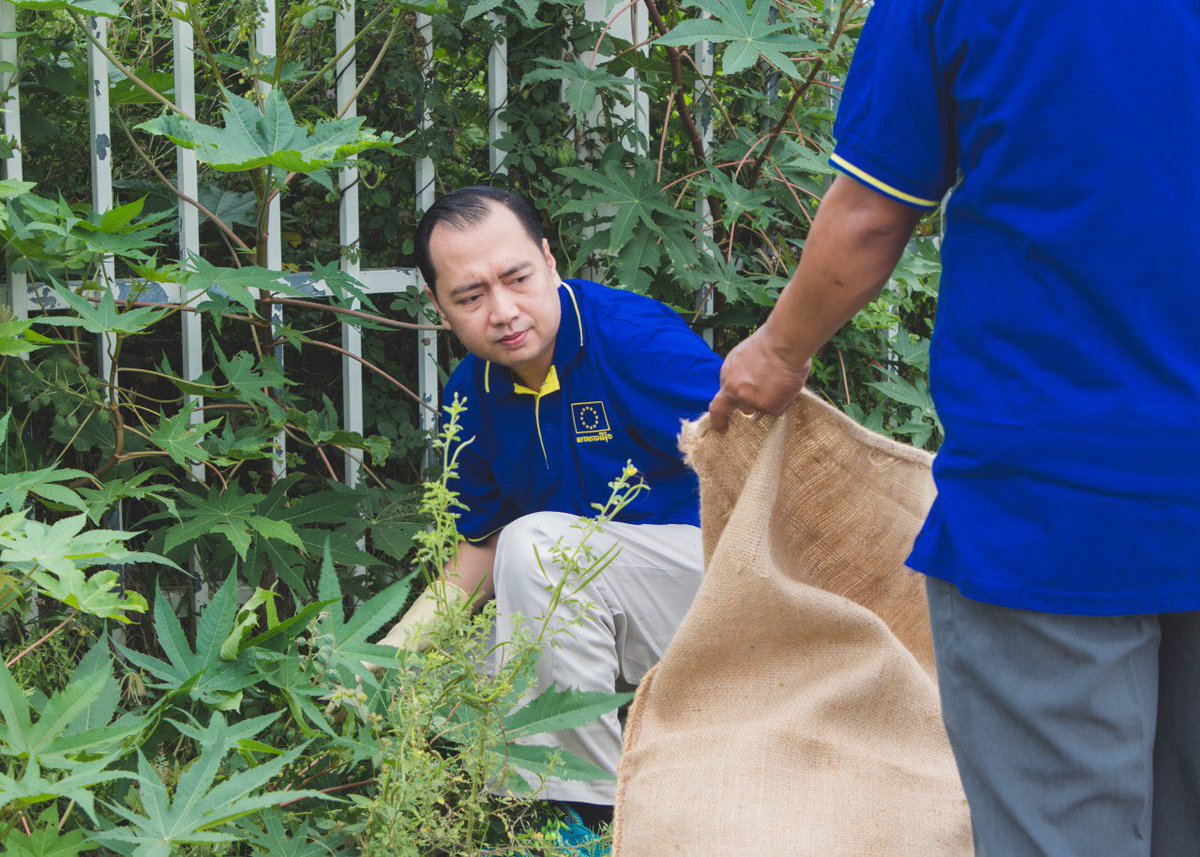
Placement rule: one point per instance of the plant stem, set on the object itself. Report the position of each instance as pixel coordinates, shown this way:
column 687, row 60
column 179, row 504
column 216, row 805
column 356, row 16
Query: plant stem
column 818, row 64
column 377, row 319
column 331, row 347
column 16, row 658
column 121, row 67
column 195, row 203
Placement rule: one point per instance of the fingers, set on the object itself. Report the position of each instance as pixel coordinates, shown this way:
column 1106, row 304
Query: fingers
column 718, row 411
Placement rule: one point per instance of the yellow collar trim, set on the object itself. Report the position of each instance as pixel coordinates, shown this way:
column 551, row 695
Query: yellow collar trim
column 550, row 385
column 578, row 317
column 487, row 366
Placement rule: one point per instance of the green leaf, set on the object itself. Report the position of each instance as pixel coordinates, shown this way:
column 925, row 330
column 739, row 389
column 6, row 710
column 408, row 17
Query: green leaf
column 180, row 438
column 232, row 207
column 583, row 84
column 634, row 198
column 103, row 317
column 200, row 804
column 201, row 674
column 748, row 35
column 97, row 8
column 235, row 283
column 268, row 138
column 554, row 710
column 44, row 840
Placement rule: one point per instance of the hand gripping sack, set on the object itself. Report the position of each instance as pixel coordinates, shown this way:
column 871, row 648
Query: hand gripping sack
column 795, row 712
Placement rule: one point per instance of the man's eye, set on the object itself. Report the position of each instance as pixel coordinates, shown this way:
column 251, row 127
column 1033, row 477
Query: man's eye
column 470, row 299
column 521, row 279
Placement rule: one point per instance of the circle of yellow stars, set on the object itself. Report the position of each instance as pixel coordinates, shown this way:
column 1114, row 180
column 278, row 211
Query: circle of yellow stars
column 589, row 418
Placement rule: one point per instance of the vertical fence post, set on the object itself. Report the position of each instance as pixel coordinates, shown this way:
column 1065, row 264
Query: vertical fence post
column 100, row 144
column 427, row 367
column 348, row 229
column 704, row 115
column 497, row 90
column 265, row 44
column 13, row 167
column 187, row 179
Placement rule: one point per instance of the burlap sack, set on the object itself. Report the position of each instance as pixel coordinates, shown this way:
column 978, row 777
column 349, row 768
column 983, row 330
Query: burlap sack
column 795, row 712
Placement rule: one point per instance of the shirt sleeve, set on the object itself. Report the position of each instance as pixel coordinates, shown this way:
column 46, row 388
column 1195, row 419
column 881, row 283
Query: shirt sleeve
column 667, row 374
column 486, row 510
column 894, row 126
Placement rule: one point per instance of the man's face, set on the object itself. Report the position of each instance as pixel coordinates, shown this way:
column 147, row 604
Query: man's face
column 498, row 292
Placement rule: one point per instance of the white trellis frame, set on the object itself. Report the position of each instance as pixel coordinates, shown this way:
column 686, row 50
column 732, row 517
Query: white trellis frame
column 23, row 297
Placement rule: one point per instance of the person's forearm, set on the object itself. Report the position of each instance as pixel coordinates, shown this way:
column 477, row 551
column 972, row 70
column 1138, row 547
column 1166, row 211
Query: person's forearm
column 855, row 242
column 472, row 570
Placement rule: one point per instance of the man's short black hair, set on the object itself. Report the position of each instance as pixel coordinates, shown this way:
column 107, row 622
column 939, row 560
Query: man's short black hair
column 465, row 207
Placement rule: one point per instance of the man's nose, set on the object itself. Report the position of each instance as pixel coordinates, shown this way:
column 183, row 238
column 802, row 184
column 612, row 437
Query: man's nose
column 503, row 308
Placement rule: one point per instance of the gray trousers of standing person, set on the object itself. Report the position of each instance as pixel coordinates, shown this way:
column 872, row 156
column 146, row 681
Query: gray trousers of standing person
column 613, row 630
column 1076, row 736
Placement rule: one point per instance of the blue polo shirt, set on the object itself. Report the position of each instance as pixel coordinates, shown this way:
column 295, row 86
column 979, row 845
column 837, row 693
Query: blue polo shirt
column 1066, row 355
column 626, row 371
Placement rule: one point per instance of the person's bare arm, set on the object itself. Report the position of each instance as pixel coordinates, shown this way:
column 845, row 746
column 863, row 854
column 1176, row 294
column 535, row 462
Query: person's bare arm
column 855, row 242
column 472, row 572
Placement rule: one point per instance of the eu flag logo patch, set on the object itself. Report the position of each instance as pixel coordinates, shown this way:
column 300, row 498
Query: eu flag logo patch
column 591, row 422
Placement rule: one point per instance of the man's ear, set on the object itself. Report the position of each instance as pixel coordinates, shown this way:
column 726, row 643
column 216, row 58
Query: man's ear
column 437, row 306
column 550, row 262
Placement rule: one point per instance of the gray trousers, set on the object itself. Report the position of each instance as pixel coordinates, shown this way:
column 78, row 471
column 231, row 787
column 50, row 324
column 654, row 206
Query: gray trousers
column 1076, row 736
column 610, row 633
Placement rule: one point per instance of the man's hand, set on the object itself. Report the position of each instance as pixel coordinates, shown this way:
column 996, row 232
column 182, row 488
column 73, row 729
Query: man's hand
column 759, row 376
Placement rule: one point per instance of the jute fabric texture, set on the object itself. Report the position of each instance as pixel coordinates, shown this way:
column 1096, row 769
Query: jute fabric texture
column 795, row 712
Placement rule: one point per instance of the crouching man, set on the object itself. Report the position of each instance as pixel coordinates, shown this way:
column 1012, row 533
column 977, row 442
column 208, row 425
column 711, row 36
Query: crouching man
column 565, row 383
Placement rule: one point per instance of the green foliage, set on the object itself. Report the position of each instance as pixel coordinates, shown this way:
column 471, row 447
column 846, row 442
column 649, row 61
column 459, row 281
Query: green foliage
column 122, row 484
column 269, row 137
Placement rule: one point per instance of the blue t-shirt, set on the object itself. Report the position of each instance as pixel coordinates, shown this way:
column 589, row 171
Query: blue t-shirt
column 1066, row 355
column 626, row 371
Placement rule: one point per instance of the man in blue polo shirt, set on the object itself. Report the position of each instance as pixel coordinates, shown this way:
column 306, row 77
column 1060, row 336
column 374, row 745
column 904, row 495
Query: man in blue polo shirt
column 1063, row 551
column 565, row 383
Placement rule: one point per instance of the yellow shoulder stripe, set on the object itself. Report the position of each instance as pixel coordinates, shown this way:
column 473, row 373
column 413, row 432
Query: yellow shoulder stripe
column 578, row 317
column 882, row 187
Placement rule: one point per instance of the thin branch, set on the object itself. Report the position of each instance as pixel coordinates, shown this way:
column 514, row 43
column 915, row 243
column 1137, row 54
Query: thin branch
column 195, row 203
column 331, row 347
column 121, row 67
column 17, row 657
column 818, row 64
column 366, row 316
column 685, row 113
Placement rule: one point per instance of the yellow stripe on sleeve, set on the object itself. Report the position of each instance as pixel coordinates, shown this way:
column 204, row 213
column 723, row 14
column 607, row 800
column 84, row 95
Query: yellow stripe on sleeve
column 883, row 187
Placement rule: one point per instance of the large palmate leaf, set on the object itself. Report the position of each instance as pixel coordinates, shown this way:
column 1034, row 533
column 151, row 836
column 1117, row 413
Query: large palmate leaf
column 583, row 83
column 240, row 285
column 180, row 438
column 748, row 35
column 270, row 836
column 74, row 723
column 347, row 637
column 46, row 483
column 225, row 512
column 634, row 199
column 102, row 316
column 55, row 557
column 98, row 8
column 269, row 137
column 198, row 672
column 201, row 803
column 319, row 519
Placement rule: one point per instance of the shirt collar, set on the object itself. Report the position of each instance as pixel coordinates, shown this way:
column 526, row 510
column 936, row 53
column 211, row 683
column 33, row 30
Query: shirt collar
column 567, row 344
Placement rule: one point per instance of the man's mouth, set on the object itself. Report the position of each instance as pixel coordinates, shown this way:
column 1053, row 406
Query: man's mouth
column 513, row 340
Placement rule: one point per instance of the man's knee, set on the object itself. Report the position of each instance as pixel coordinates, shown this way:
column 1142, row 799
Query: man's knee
column 523, row 551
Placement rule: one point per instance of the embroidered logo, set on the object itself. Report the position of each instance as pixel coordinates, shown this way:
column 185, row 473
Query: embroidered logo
column 591, row 422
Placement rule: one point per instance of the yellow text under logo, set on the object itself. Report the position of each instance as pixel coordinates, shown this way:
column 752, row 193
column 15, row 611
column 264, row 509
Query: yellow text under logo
column 591, row 422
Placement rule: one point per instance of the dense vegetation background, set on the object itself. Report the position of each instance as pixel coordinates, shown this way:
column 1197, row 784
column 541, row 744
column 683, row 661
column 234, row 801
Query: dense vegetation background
column 141, row 719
